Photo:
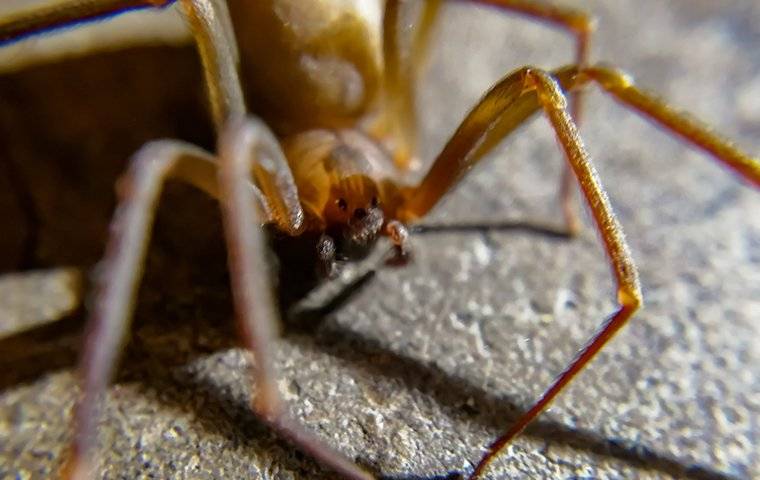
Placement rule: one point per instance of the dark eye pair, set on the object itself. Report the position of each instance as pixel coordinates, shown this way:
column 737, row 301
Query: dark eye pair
column 343, row 204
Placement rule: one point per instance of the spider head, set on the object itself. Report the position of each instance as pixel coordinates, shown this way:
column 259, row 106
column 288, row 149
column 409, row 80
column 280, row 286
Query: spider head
column 346, row 182
column 355, row 215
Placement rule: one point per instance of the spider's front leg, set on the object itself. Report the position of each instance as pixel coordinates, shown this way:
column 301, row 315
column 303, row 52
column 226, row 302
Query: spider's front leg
column 508, row 105
column 503, row 109
column 246, row 148
column 121, row 269
column 243, row 147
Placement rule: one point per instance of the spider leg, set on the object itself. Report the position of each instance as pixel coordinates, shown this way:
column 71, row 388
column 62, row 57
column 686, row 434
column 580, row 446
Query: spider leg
column 503, row 108
column 209, row 20
column 212, row 30
column 581, row 25
column 620, row 86
column 48, row 17
column 118, row 278
column 121, row 269
column 399, row 120
column 629, row 296
column 509, row 104
column 400, row 75
column 243, row 144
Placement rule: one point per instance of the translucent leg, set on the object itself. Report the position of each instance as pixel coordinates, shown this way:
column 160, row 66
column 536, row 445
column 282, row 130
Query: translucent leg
column 208, row 19
column 399, row 76
column 51, row 16
column 118, row 279
column 241, row 147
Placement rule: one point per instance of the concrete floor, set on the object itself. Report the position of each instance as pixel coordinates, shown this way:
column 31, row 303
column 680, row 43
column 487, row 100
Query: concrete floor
column 424, row 365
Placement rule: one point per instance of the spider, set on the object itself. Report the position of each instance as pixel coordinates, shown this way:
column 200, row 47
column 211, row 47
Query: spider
column 345, row 137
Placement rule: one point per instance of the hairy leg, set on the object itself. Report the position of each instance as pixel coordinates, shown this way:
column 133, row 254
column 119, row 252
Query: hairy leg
column 626, row 277
column 504, row 108
column 508, row 105
column 399, row 120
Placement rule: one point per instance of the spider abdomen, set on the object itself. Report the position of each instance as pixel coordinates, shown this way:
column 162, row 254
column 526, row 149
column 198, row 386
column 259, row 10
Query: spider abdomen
column 304, row 68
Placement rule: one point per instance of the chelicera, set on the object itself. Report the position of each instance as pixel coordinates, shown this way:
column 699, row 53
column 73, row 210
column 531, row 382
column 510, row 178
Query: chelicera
column 329, row 152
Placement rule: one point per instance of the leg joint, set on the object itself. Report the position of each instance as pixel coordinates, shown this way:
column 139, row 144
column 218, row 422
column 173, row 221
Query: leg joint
column 631, row 298
column 546, row 87
column 580, row 23
column 608, row 77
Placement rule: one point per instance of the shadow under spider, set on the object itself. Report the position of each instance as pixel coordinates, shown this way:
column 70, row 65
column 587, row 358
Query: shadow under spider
column 223, row 413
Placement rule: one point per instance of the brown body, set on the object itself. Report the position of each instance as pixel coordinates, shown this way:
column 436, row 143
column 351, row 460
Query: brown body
column 314, row 75
column 305, row 68
column 339, row 97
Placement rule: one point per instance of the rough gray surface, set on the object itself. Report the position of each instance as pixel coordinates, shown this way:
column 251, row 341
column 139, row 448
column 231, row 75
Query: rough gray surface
column 427, row 364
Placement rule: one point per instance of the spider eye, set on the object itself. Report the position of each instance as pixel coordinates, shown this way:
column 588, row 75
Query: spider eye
column 342, row 204
column 374, row 201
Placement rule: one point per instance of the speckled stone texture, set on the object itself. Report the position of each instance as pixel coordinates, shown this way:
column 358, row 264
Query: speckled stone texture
column 424, row 365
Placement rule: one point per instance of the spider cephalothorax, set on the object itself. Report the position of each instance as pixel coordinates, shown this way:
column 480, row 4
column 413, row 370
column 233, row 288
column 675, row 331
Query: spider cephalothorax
column 347, row 188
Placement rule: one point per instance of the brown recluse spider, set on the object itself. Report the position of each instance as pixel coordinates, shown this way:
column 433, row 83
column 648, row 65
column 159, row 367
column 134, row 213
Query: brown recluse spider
column 346, row 135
